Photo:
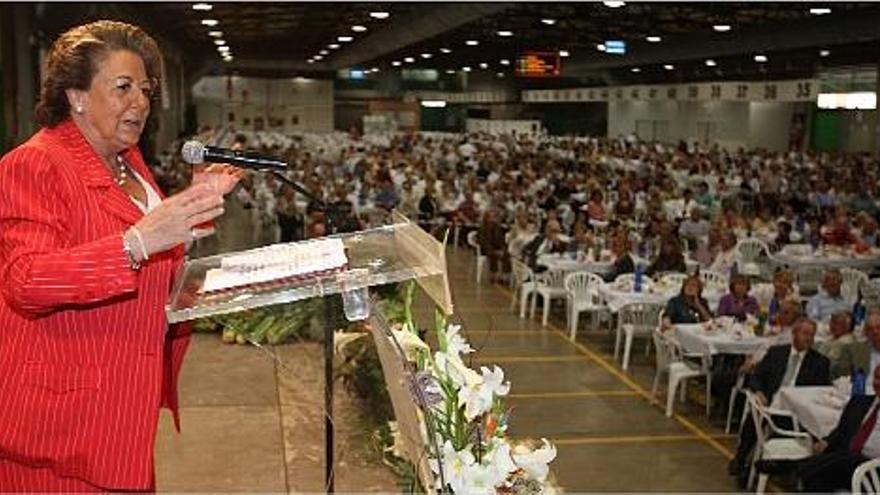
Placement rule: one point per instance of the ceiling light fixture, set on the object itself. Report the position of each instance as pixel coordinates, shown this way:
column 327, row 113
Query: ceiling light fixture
column 711, row 63
column 484, row 65
column 654, row 39
column 324, row 52
column 358, row 28
column 227, row 59
column 426, row 55
column 721, row 28
column 635, row 69
column 504, row 61
column 471, row 42
column 450, row 71
column 204, row 7
column 395, row 63
column 344, row 39
column 820, row 10
column 613, row 4
column 564, row 53
column 210, row 22
column 466, row 68
column 504, row 33
column 215, row 34
column 219, row 42
column 223, row 48
column 333, row 46
column 445, row 50
column 318, row 57
column 600, row 47
column 669, row 67
column 824, row 53
column 310, row 61
column 548, row 22
column 760, row 58
column 500, row 74
column 409, row 60
column 374, row 70
column 380, row 15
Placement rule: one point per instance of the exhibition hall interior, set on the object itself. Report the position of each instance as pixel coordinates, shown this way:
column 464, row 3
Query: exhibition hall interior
column 458, row 247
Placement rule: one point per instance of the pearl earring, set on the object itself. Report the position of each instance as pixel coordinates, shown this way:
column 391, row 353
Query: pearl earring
column 79, row 109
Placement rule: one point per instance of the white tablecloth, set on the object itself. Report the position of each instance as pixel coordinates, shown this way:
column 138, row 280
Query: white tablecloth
column 616, row 298
column 565, row 263
column 801, row 255
column 694, row 339
column 814, row 407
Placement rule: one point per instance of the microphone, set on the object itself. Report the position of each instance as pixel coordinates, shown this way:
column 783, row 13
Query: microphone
column 194, row 153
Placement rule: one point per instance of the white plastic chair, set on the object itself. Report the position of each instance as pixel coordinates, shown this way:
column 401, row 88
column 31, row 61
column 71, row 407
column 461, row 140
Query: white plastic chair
column 631, row 278
column 524, row 283
column 548, row 285
column 754, row 254
column 866, row 478
column 634, row 319
column 809, row 279
column 852, row 280
column 583, row 295
column 738, row 388
column 669, row 362
column 481, row 258
column 786, row 445
column 674, row 279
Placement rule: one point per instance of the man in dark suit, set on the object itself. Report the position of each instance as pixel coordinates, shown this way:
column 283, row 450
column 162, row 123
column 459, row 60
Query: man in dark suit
column 783, row 366
column 853, row 441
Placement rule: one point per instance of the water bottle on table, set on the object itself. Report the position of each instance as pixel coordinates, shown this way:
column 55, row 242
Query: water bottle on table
column 858, row 382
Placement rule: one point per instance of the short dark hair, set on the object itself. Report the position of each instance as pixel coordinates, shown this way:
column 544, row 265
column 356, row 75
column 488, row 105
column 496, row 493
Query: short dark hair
column 74, row 58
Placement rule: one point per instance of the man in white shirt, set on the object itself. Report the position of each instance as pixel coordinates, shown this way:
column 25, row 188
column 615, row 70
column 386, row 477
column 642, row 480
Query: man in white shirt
column 829, row 299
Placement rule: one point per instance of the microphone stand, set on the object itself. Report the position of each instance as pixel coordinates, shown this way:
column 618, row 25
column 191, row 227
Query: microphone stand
column 331, row 313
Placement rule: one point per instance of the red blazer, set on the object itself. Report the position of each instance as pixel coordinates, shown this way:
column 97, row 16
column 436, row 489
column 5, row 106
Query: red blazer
column 86, row 357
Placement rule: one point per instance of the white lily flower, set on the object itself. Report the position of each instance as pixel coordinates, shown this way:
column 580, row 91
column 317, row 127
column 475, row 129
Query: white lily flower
column 410, row 343
column 455, row 466
column 494, row 382
column 535, row 463
column 479, row 480
column 456, row 370
column 456, row 345
column 478, row 396
column 500, row 461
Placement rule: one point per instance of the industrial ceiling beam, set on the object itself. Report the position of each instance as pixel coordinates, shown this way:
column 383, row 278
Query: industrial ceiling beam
column 427, row 23
column 818, row 32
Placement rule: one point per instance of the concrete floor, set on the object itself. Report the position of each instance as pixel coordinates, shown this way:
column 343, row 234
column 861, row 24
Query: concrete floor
column 250, row 426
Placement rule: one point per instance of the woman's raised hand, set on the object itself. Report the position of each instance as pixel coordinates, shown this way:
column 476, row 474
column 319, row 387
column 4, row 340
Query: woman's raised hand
column 172, row 222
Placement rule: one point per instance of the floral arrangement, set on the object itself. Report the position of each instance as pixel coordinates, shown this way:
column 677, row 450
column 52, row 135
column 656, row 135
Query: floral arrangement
column 465, row 417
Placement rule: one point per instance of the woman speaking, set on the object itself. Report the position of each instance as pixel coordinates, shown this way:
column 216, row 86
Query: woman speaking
column 88, row 249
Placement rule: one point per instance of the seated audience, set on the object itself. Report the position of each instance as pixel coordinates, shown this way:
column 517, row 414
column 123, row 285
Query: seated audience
column 729, row 255
column 829, row 299
column 794, row 364
column 854, row 440
column 783, row 289
column 688, row 306
column 839, row 335
column 623, row 262
column 861, row 355
column 839, row 232
column 738, row 303
column 669, row 259
column 521, row 233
